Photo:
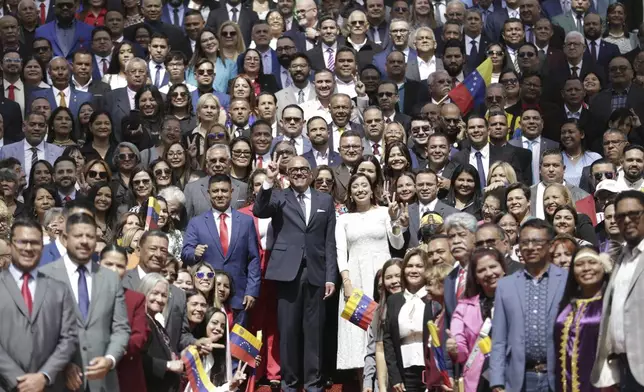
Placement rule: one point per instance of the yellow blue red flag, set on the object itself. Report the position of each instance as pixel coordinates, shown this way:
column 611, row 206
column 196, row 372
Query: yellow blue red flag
column 244, row 345
column 152, row 214
column 471, row 92
column 197, row 376
column 359, row 309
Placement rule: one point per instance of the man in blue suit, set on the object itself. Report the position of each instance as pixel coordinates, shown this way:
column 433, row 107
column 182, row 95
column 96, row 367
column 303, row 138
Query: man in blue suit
column 526, row 305
column 399, row 34
column 226, row 239
column 318, row 133
column 174, row 12
column 55, row 249
column 62, row 93
column 598, row 50
column 66, row 34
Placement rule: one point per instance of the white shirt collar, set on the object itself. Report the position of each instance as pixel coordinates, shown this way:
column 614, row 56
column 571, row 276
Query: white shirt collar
column 431, row 206
column 73, row 267
column 326, row 47
column 217, row 213
column 359, row 44
column 485, row 151
column 40, row 147
column 321, row 155
column 230, row 7
column 61, row 248
column 577, row 112
column 81, row 86
column 19, row 86
column 432, row 61
column 306, row 193
column 581, row 64
column 536, row 139
column 66, row 91
column 419, row 294
column 140, row 271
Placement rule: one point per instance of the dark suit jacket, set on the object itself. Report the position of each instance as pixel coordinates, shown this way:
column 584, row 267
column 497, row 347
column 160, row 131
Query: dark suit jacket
column 474, row 61
column 117, row 103
column 334, row 158
column 416, row 94
column 366, row 52
column 499, row 154
column 295, row 240
column 383, row 32
column 494, row 24
column 98, row 90
column 246, row 19
column 130, row 367
column 12, row 118
column 605, row 53
column 404, row 119
column 558, row 74
column 601, row 105
column 178, row 40
column 354, row 127
column 155, row 359
column 554, row 119
column 551, row 8
column 412, row 235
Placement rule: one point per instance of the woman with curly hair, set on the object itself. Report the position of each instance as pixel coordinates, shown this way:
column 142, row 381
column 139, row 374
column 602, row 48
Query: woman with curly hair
column 126, row 222
column 178, row 104
column 42, row 172
column 241, row 86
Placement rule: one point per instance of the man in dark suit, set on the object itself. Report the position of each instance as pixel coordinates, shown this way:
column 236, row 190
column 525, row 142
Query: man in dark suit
column 324, row 53
column 494, row 22
column 410, row 92
column 373, row 142
column 454, row 61
column 498, row 124
column 13, row 88
column 40, row 334
column 340, row 110
column 173, row 12
column 548, row 47
column 399, row 35
column 358, row 39
column 270, row 62
column 10, row 37
column 573, row 107
column 120, row 102
column 378, row 31
column 303, row 262
column 597, row 49
column 387, row 99
column 83, row 81
column 232, row 10
column 28, row 17
column 102, row 51
column 305, row 21
column 493, row 236
column 573, row 21
column 476, row 41
column 209, row 237
column 66, row 34
column 321, row 152
column 481, row 154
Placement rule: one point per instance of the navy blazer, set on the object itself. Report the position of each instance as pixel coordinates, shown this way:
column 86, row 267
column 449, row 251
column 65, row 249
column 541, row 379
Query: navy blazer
column 297, row 241
column 606, row 52
column 334, row 158
column 242, row 259
column 49, row 254
column 167, row 18
column 82, row 38
column 380, row 59
column 77, row 99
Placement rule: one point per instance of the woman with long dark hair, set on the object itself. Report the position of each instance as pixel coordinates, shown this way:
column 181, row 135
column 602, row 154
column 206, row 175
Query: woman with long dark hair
column 250, row 63
column 100, row 196
column 42, row 172
column 93, row 12
column 370, row 166
column 208, row 47
column 149, row 101
column 100, row 143
column 397, row 160
column 166, row 225
column 465, row 191
column 61, row 126
column 121, row 54
column 242, row 156
column 178, row 103
column 40, row 201
column 183, row 167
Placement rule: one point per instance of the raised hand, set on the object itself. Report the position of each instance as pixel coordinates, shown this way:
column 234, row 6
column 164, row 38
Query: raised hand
column 403, row 220
column 361, row 90
column 200, row 250
column 273, row 169
column 393, row 207
column 238, row 377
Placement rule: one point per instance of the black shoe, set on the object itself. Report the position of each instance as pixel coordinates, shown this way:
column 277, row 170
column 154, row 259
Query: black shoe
column 276, row 385
column 328, row 383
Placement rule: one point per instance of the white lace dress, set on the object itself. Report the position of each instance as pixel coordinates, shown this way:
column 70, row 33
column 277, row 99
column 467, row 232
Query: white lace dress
column 362, row 240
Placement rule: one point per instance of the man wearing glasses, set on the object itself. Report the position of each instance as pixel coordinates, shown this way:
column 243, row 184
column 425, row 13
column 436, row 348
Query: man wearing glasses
column 292, row 124
column 304, row 34
column 301, row 90
column 66, row 34
column 399, row 35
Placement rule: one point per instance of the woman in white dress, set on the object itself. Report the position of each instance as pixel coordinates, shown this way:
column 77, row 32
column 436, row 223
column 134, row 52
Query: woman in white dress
column 362, row 239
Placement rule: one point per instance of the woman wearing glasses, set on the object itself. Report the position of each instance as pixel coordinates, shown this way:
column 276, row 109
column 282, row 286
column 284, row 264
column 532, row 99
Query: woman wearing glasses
column 203, row 278
column 125, row 160
column 232, row 42
column 178, row 103
column 170, row 133
column 496, row 53
column 184, row 169
column 162, row 174
column 166, row 225
column 243, row 157
column 575, row 155
column 100, row 141
column 324, row 181
column 208, row 47
column 96, row 171
column 140, row 189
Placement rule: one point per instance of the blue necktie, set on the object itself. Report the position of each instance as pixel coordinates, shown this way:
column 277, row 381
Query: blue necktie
column 479, row 167
column 157, row 77
column 83, row 296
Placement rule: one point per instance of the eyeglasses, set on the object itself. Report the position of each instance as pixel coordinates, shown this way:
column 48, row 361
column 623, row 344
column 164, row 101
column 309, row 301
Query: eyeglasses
column 400, row 9
column 178, row 94
column 241, row 153
column 351, row 147
column 160, row 172
column 424, row 129
column 202, row 275
column 387, row 94
column 175, row 154
column 616, row 68
column 284, row 153
column 229, row 34
column 358, row 23
column 320, row 181
column 12, row 61
column 601, row 176
column 537, row 243
column 573, row 44
column 512, row 82
column 489, row 208
column 126, row 156
column 203, row 72
column 97, row 174
column 495, row 53
column 295, row 170
column 141, row 182
column 490, row 243
column 632, row 215
column 291, row 119
column 526, row 54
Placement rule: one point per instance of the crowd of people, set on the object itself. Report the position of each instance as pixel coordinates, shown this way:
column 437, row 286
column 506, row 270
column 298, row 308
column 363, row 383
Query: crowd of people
column 301, row 152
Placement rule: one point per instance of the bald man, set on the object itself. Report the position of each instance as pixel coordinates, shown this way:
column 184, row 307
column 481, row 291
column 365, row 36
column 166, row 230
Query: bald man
column 303, row 264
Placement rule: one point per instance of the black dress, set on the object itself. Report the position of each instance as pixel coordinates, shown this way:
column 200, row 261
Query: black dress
column 156, row 355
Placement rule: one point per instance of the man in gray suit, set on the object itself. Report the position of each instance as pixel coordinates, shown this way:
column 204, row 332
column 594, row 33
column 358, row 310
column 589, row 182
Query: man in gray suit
column 552, row 172
column 101, row 315
column 39, row 334
column 301, row 90
column 218, row 161
column 526, row 305
column 425, row 44
column 33, row 147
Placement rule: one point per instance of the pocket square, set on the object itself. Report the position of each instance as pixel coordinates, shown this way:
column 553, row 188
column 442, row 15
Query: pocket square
column 319, row 210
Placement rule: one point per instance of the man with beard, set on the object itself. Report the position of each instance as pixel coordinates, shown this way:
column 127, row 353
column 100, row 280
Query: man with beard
column 324, row 54
column 373, row 132
column 102, row 49
column 232, row 10
column 286, row 8
column 218, row 161
column 351, row 150
column 285, row 51
column 324, row 83
column 120, row 102
column 498, row 124
column 454, row 61
column 267, row 110
column 399, row 35
column 632, row 168
column 387, row 99
column 340, row 108
column 301, row 90
column 193, row 23
column 317, row 131
column 239, row 113
column 292, row 124
column 83, row 81
column 440, row 84
column 262, row 39
column 426, row 63
column 378, row 31
column 66, row 34
column 173, row 12
column 304, row 33
column 65, row 178
column 261, row 140
column 513, row 35
column 410, row 92
column 600, row 51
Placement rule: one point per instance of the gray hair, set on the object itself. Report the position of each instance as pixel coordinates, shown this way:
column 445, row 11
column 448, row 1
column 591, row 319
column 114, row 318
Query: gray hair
column 52, row 213
column 456, row 2
column 23, row 2
column 223, row 147
column 58, row 58
column 132, row 147
column 434, row 75
column 574, row 34
column 173, row 193
column 134, row 61
column 413, row 34
column 497, row 85
column 148, row 283
column 461, row 220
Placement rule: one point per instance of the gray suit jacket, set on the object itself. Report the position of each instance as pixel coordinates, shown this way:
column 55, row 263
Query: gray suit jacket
column 17, row 150
column 176, row 318
column 198, row 200
column 286, row 96
column 342, row 176
column 566, row 22
column 106, row 330
column 577, row 194
column 117, row 103
column 413, row 73
column 43, row 342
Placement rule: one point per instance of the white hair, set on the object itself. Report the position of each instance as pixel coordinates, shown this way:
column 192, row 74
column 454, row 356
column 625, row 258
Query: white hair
column 173, row 193
column 136, row 60
column 461, row 220
column 574, row 34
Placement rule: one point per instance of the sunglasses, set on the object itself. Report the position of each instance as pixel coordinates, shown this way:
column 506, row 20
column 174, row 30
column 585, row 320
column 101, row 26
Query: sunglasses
column 358, row 23
column 141, row 182
column 97, row 174
column 229, row 34
column 201, row 275
column 126, row 156
column 321, row 181
column 526, row 54
column 400, row 9
column 218, row 135
column 178, row 94
column 494, row 53
column 160, row 172
column 601, row 176
column 203, row 72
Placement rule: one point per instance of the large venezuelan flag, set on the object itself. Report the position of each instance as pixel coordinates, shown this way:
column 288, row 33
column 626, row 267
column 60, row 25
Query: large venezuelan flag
column 244, row 345
column 471, row 92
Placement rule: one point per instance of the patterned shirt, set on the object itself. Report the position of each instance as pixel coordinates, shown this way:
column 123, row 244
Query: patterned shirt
column 536, row 322
column 618, row 99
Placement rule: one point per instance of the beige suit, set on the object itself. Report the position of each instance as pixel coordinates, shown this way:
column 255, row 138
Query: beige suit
column 43, row 342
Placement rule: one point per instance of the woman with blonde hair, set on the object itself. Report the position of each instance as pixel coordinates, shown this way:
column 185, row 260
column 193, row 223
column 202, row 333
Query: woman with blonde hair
column 208, row 112
column 422, row 14
column 131, row 244
column 231, row 39
column 557, row 195
column 501, row 174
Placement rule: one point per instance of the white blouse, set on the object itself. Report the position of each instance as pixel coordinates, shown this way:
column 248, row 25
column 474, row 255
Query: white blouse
column 410, row 325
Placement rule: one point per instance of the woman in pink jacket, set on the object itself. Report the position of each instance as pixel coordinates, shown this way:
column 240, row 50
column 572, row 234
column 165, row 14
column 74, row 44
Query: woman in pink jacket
column 472, row 318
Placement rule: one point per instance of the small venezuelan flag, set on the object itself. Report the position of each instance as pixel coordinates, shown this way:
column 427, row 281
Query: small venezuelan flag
column 359, row 309
column 197, row 376
column 244, row 345
column 152, row 214
column 439, row 356
column 471, row 92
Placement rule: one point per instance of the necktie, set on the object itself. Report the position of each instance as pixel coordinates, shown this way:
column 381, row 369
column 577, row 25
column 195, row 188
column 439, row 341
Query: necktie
column 234, row 11
column 437, row 12
column 515, row 61
column 474, row 52
column 223, row 233
column 239, row 131
column 157, row 76
column 580, row 28
column 83, row 294
column 376, row 149
column 331, row 61
column 288, row 79
column 300, row 97
column 67, row 199
column 535, row 161
column 12, row 92
column 593, row 50
column 104, row 61
column 26, row 293
column 63, row 102
column 542, row 55
column 376, row 36
column 260, row 162
column 480, row 168
column 175, row 16
column 34, row 156
column 388, row 120
column 300, row 198
column 43, row 13
column 528, row 34
column 574, row 72
column 460, row 290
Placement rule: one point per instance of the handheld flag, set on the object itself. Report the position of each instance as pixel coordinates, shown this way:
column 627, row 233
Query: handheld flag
column 471, row 92
column 197, row 376
column 244, row 345
column 250, row 385
column 359, row 309
column 152, row 214
column 439, row 357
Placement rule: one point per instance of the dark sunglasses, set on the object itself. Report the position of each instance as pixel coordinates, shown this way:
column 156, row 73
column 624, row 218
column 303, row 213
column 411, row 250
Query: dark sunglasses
column 177, row 94
column 358, row 23
column 201, row 275
column 203, row 72
column 400, row 9
column 601, row 176
column 65, row 5
column 321, row 181
column 228, row 34
column 126, row 156
column 141, row 182
column 526, row 54
column 97, row 174
column 494, row 52
column 218, row 135
column 159, row 172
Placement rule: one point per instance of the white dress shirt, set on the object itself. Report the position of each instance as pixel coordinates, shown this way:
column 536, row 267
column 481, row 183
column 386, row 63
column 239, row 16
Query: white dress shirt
column 571, row 114
column 306, row 90
column 485, row 157
column 468, row 44
column 193, row 44
column 81, row 87
column 46, row 2
column 73, row 275
column 131, row 94
column 326, row 55
column 18, row 277
column 229, row 221
column 61, row 248
column 513, row 13
column 426, row 68
column 570, row 66
column 229, row 9
column 314, row 108
column 265, row 230
column 298, row 141
column 321, row 158
column 335, row 130
column 99, row 62
column 536, row 153
column 348, row 88
column 152, row 71
column 410, row 326
column 423, row 208
column 29, row 153
column 18, row 92
column 68, row 95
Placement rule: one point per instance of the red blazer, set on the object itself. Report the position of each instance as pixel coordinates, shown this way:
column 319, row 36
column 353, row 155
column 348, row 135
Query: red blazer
column 130, row 368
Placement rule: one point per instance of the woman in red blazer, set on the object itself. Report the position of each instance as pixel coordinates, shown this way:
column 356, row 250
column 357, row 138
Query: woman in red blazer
column 130, row 368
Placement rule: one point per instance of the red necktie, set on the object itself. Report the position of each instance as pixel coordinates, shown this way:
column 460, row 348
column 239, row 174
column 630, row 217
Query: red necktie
column 104, row 61
column 461, row 283
column 223, row 233
column 12, row 92
column 26, row 293
column 43, row 16
column 260, row 162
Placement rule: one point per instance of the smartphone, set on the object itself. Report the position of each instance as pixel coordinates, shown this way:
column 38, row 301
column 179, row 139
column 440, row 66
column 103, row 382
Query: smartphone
column 134, row 120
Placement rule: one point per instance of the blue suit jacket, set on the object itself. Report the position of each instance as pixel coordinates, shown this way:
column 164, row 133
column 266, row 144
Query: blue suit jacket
column 607, row 51
column 307, row 143
column 17, row 150
column 334, row 158
column 242, row 258
column 380, row 59
column 507, row 363
column 224, row 100
column 82, row 38
column 166, row 17
column 50, row 254
column 73, row 103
